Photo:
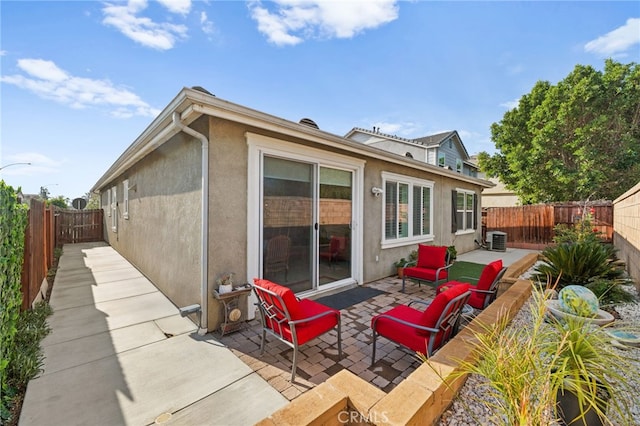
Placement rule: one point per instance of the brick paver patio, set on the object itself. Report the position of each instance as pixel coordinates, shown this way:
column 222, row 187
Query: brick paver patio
column 318, row 359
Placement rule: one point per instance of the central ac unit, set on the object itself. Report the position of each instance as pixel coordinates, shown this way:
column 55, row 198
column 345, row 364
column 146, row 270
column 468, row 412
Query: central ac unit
column 497, row 241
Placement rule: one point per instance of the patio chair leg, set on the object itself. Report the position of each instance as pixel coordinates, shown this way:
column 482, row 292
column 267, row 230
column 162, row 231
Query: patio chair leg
column 373, row 351
column 339, row 339
column 295, row 361
column 264, row 336
column 403, row 278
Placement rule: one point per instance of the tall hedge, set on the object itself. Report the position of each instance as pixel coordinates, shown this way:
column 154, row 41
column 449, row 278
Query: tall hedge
column 13, row 221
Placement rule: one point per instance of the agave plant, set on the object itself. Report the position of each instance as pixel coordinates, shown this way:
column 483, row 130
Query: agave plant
column 579, row 264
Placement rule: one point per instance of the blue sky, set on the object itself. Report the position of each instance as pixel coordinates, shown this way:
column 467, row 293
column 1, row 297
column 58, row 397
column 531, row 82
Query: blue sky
column 81, row 80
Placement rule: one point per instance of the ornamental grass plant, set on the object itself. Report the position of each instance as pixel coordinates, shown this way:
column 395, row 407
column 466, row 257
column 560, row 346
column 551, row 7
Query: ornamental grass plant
column 524, row 367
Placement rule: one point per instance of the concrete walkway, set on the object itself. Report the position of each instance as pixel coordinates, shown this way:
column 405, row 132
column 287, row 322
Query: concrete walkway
column 120, row 354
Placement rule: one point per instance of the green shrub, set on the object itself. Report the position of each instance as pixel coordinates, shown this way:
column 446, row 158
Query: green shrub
column 581, row 232
column 26, row 359
column 578, row 264
column 610, row 292
column 13, row 220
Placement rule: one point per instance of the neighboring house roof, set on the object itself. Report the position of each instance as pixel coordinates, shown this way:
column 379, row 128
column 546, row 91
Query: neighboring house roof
column 190, row 104
column 431, row 141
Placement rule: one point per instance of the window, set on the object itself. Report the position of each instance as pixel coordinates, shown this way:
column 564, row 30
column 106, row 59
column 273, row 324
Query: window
column 108, row 203
column 407, row 209
column 459, row 165
column 125, row 198
column 441, row 159
column 114, row 213
column 463, row 207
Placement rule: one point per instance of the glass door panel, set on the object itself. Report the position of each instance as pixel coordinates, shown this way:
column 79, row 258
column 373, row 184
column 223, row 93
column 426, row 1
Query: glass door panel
column 334, row 219
column 287, row 223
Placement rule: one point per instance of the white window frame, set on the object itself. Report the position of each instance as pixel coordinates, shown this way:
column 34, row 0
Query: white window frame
column 464, row 227
column 459, row 165
column 108, row 204
column 114, row 207
column 125, row 199
column 442, row 158
column 410, row 238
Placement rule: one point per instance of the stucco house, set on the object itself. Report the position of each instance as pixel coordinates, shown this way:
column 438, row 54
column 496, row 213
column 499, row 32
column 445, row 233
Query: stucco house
column 212, row 187
column 443, row 149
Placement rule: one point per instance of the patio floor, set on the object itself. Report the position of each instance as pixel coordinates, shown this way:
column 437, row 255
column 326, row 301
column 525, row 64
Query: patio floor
column 318, row 359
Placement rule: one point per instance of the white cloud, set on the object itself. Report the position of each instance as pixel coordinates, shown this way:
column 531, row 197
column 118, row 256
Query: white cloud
column 3, row 52
column 47, row 80
column 206, row 24
column 293, row 21
column 616, row 41
column 181, row 7
column 40, row 164
column 161, row 36
column 511, row 104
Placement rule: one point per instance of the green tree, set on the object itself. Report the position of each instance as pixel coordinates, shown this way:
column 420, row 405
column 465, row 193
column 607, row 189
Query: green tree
column 93, row 200
column 59, row 201
column 576, row 140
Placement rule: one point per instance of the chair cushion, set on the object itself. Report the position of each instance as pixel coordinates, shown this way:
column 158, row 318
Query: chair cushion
column 400, row 333
column 435, row 310
column 425, row 274
column 288, row 297
column 311, row 330
column 432, row 257
column 489, row 273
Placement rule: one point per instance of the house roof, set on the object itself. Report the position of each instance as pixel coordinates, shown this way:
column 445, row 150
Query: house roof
column 431, row 141
column 190, row 104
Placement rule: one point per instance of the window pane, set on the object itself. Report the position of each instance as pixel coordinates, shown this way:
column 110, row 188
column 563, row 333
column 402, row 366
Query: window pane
column 417, row 210
column 469, row 223
column 459, row 219
column 391, row 211
column 426, row 211
column 460, row 203
column 403, row 210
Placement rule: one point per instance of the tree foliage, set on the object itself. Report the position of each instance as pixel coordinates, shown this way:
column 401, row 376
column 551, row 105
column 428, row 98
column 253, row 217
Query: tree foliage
column 576, row 140
column 59, row 201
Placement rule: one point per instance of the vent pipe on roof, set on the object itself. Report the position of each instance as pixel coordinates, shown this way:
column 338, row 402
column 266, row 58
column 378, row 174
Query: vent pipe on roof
column 204, row 249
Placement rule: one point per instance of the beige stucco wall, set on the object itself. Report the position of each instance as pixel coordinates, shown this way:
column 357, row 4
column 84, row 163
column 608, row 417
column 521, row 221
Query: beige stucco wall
column 626, row 230
column 161, row 237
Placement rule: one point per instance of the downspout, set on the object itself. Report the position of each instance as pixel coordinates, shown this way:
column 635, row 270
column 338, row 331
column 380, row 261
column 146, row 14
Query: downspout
column 204, row 251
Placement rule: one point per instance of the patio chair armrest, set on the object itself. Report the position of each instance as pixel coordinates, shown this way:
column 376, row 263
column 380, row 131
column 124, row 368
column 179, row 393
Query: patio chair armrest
column 398, row 320
column 444, row 268
column 315, row 317
column 412, row 263
column 482, row 291
column 471, row 280
column 422, row 302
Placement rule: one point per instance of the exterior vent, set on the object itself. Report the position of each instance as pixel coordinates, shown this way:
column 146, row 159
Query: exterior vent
column 202, row 89
column 309, row 122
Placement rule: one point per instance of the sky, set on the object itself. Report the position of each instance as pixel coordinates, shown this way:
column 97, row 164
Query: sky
column 81, row 80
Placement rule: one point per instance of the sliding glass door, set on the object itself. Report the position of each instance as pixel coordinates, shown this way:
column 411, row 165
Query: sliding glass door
column 307, row 214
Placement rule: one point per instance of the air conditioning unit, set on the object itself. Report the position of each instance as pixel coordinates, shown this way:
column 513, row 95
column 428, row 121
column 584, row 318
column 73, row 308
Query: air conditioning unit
column 497, row 241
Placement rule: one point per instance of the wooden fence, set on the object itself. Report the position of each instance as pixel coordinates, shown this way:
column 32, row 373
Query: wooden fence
column 532, row 226
column 78, row 226
column 48, row 228
column 39, row 243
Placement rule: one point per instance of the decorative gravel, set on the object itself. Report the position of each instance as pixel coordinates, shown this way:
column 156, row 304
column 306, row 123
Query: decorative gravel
column 468, row 408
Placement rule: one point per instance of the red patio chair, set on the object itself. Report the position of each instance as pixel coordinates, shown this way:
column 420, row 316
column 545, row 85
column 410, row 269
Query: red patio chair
column 431, row 266
column 483, row 289
column 292, row 321
column 426, row 330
